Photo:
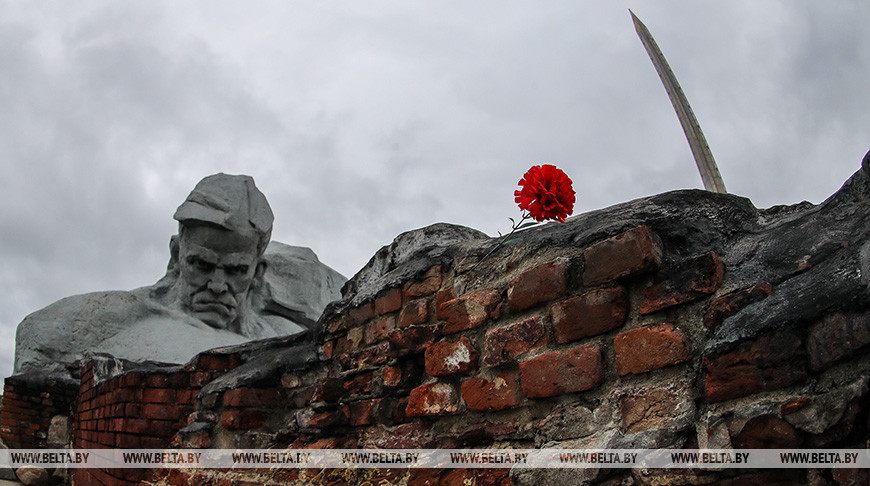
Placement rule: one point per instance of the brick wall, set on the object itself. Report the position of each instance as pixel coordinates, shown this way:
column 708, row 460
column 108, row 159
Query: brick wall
column 30, row 402
column 595, row 347
column 143, row 408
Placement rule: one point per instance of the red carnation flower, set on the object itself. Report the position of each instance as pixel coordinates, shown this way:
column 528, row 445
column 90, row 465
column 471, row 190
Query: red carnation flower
column 546, row 193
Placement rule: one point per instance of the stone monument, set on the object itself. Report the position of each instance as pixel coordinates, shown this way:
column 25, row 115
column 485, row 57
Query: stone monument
column 225, row 284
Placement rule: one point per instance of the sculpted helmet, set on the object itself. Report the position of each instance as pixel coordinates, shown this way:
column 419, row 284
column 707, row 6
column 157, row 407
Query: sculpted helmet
column 232, row 202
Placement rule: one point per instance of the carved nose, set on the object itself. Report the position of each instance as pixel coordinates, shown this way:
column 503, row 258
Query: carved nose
column 218, row 282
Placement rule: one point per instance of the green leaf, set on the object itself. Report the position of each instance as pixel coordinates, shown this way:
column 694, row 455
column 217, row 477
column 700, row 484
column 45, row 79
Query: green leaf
column 511, row 241
column 526, row 225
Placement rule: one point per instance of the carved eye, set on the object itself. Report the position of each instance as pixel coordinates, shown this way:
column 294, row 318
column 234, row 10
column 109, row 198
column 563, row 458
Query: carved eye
column 236, row 270
column 200, row 264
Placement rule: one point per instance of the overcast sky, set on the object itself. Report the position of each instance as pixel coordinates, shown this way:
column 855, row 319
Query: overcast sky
column 363, row 119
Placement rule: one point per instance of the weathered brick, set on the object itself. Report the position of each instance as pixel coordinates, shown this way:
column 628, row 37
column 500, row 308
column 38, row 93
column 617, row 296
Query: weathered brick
column 504, row 344
column 767, row 363
column 733, row 302
column 442, row 297
column 331, row 418
column 629, row 253
column 767, row 432
column 560, row 372
column 379, row 329
column 363, row 412
column 328, row 348
column 216, row 362
column 430, row 284
column 414, row 312
column 648, row 348
column 243, row 419
column 360, row 314
column 471, row 310
column 329, row 389
column 836, row 337
column 665, row 407
column 359, row 384
column 392, row 376
column 389, row 300
column 252, row 397
column 589, row 314
column 489, row 396
column 432, row 399
column 158, row 395
column 684, row 282
column 537, row 285
column 445, row 358
column 413, row 339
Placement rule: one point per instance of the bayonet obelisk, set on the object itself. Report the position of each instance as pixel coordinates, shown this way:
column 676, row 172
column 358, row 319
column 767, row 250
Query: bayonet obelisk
column 697, row 142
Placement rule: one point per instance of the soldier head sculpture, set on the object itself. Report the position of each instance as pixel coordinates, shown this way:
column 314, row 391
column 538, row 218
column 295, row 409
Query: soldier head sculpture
column 224, row 226
column 221, row 287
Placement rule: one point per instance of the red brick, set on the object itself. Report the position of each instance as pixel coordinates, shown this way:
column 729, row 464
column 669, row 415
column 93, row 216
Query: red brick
column 252, row 397
column 379, row 329
column 430, row 283
column 446, row 358
column 837, row 337
column 649, row 348
column 392, row 376
column 537, row 285
column 684, row 282
column 243, row 419
column 337, row 323
column 158, row 395
column 332, row 418
column 489, row 396
column 363, row 412
column 471, row 310
column 329, row 389
column 216, row 362
column 767, row 363
column 328, row 347
column 161, row 411
column 413, row 339
column 414, row 312
column 432, row 399
column 590, row 314
column 560, row 372
column 442, row 297
column 360, row 314
column 503, row 344
column 767, row 432
column 627, row 254
column 733, row 302
column 359, row 384
column 387, row 301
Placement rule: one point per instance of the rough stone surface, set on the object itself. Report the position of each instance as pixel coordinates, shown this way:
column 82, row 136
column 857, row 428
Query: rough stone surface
column 589, row 314
column 767, row 363
column 33, row 476
column 732, row 302
column 836, row 337
column 686, row 281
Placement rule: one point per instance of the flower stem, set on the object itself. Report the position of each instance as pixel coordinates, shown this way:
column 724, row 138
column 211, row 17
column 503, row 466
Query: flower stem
column 504, row 238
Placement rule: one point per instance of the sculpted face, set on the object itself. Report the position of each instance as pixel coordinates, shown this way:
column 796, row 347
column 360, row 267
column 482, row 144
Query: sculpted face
column 216, row 267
